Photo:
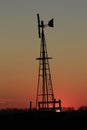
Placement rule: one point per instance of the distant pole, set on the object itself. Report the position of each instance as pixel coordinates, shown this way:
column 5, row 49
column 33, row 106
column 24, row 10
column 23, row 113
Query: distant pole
column 30, row 106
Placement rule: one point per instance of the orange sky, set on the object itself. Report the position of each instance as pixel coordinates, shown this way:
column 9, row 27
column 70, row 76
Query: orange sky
column 20, row 45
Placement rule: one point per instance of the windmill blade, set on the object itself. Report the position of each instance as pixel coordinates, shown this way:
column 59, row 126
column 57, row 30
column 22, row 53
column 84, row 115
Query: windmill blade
column 38, row 18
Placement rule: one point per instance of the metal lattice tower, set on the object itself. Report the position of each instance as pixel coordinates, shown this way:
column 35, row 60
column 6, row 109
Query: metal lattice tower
column 45, row 94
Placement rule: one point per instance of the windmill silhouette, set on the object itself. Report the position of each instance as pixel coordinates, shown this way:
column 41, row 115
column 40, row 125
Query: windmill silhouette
column 45, row 95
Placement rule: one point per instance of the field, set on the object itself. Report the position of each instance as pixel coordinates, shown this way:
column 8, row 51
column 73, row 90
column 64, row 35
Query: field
column 25, row 119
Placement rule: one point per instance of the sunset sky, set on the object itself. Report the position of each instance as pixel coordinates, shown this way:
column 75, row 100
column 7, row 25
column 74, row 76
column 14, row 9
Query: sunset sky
column 20, row 46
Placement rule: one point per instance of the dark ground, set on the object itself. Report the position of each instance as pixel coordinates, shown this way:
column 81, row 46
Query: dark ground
column 20, row 119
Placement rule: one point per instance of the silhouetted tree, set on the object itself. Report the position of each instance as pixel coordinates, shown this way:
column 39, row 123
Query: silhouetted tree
column 68, row 109
column 82, row 108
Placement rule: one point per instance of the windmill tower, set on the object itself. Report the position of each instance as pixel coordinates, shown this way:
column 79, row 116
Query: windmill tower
column 45, row 96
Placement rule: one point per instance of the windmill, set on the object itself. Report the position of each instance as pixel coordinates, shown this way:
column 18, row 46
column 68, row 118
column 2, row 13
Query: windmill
column 45, row 95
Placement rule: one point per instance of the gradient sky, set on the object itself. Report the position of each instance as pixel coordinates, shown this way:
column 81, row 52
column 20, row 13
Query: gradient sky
column 20, row 45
